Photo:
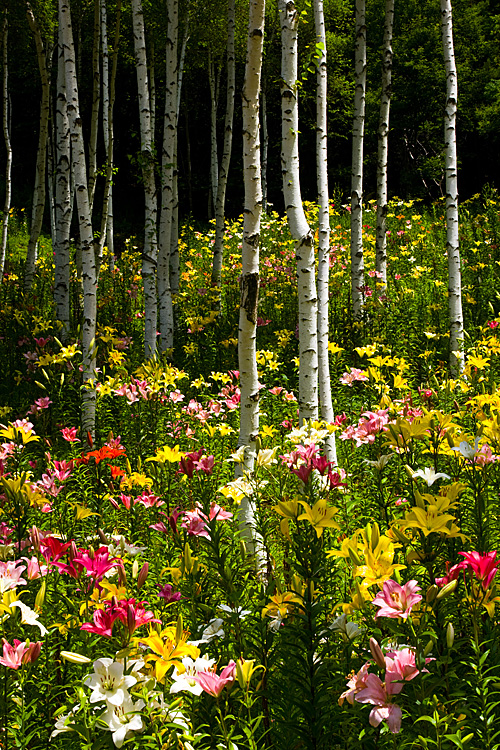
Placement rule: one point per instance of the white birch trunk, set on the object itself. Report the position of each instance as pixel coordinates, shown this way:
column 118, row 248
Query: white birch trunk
column 89, row 275
column 51, row 177
column 150, row 253
column 213, row 79
column 299, row 228
column 249, row 383
column 174, row 243
column 383, row 147
column 452, row 235
column 108, row 103
column 8, row 145
column 167, row 174
column 358, row 128
column 325, row 393
column 96, row 102
column 39, row 191
column 265, row 148
column 226, row 152
column 62, row 204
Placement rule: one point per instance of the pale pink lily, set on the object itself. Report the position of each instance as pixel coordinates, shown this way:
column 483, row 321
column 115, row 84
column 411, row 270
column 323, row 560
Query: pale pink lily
column 214, row 684
column 379, row 695
column 10, row 575
column 397, row 601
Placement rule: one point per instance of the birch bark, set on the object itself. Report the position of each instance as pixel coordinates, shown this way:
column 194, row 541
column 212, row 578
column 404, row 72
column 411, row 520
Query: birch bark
column 220, row 203
column 39, row 191
column 150, row 253
column 325, row 392
column 79, row 168
column 167, row 179
column 8, row 144
column 299, row 228
column 96, row 102
column 214, row 81
column 358, row 128
column 108, row 103
column 249, row 287
column 62, row 204
column 383, row 146
column 452, row 235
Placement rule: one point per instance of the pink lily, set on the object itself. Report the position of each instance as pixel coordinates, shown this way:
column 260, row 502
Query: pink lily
column 397, row 601
column 214, row 684
column 484, row 567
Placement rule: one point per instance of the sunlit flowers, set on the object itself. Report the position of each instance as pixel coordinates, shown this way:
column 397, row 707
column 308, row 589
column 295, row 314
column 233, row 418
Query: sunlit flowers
column 10, row 575
column 214, row 684
column 397, row 601
column 320, row 516
column 186, row 680
column 167, row 649
column 108, row 682
column 22, row 652
column 484, row 567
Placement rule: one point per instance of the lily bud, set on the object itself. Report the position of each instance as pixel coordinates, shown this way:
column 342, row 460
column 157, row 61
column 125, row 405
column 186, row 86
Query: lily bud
column 450, row 635
column 35, row 538
column 431, row 594
column 448, row 589
column 74, row 658
column 429, row 647
column 40, row 597
column 143, row 574
column 377, row 654
column 131, row 619
column 122, row 575
column 102, row 536
column 179, row 628
column 33, row 652
column 135, row 568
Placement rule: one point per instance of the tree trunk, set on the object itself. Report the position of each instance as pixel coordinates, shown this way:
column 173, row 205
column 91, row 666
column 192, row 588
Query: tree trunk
column 265, row 147
column 249, row 286
column 96, row 102
column 89, row 275
column 226, row 153
column 8, row 145
column 325, row 393
column 167, row 174
column 452, row 236
column 39, row 192
column 63, row 204
column 299, row 228
column 383, row 141
column 214, row 81
column 150, row 252
column 358, row 127
column 108, row 103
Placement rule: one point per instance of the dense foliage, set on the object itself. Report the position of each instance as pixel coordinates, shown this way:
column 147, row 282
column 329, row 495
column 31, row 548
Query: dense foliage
column 134, row 612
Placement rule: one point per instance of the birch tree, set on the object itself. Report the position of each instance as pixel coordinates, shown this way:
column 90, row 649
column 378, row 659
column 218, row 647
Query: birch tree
column 299, row 227
column 357, row 259
column 452, row 235
column 249, row 285
column 8, row 144
column 220, row 202
column 325, row 392
column 150, row 252
column 383, row 145
column 214, row 76
column 167, row 178
column 79, row 169
column 62, row 198
column 39, row 191
column 96, row 101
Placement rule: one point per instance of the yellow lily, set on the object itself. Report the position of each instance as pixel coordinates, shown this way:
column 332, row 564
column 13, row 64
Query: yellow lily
column 320, row 516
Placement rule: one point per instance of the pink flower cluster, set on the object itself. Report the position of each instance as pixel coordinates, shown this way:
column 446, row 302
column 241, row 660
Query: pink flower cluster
column 20, row 653
column 194, row 521
column 305, row 458
column 354, row 375
column 369, row 426
column 366, row 687
column 129, row 612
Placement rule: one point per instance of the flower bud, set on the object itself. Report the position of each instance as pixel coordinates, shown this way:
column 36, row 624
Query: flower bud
column 143, row 574
column 35, row 538
column 431, row 594
column 429, row 647
column 131, row 619
column 74, row 658
column 448, row 589
column 33, row 652
column 40, row 597
column 102, row 536
column 450, row 635
column 122, row 575
column 377, row 654
column 135, row 568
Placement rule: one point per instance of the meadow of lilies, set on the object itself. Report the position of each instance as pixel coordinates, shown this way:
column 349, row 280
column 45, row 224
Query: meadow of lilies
column 361, row 611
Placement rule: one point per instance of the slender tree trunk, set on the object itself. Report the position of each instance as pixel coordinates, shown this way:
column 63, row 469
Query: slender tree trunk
column 167, row 173
column 214, row 80
column 152, row 85
column 8, row 145
column 174, row 244
column 299, row 228
column 358, row 128
column 96, row 102
column 39, row 192
column 63, row 207
column 51, row 177
column 452, row 235
column 108, row 96
column 383, row 144
column 150, row 253
column 249, row 285
column 220, row 203
column 265, row 146
column 325, row 392
column 89, row 275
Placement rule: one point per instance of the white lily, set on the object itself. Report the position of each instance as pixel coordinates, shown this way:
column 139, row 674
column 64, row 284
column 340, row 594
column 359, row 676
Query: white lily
column 29, row 616
column 186, row 681
column 213, row 630
column 108, row 683
column 123, row 720
column 429, row 475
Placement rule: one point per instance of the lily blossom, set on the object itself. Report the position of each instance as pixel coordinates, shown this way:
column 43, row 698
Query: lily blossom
column 214, row 684
column 397, row 601
column 108, row 682
column 484, row 567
